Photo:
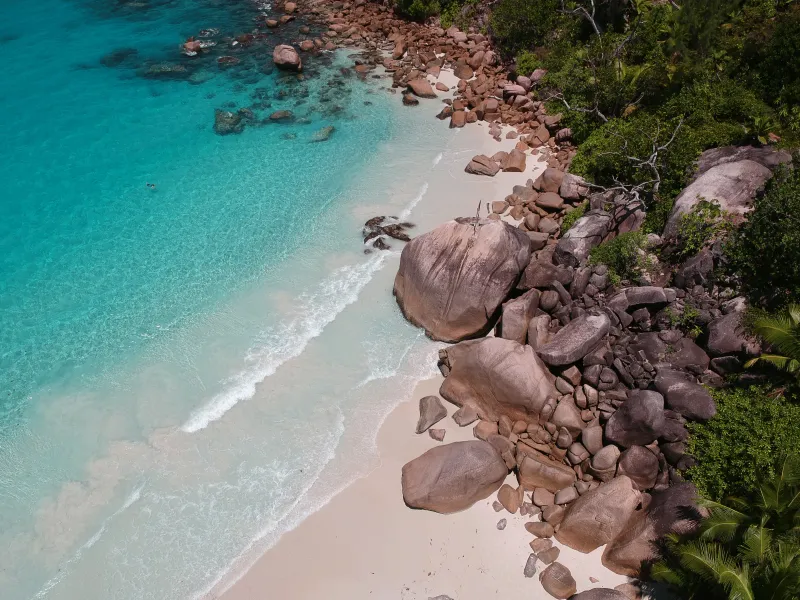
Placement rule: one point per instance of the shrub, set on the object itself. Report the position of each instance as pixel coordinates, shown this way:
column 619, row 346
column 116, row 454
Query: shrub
column 526, row 63
column 657, row 214
column 523, row 24
column 701, row 226
column 753, row 428
column 780, row 67
column 573, row 215
column 418, row 10
column 624, row 256
column 765, row 252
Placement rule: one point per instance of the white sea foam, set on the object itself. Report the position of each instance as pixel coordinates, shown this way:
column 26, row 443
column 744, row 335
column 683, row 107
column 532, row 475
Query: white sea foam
column 290, row 338
column 437, row 159
column 407, row 210
column 62, row 572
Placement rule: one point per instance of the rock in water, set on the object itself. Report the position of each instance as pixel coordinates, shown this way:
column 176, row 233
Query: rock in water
column 226, row 122
column 574, row 341
column 498, row 377
column 597, row 517
column 285, row 57
column 431, row 412
column 453, row 477
column 453, row 280
column 323, row 134
column 558, row 581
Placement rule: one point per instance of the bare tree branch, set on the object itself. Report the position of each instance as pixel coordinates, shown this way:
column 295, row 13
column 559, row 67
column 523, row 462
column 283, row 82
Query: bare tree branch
column 592, row 111
column 581, row 10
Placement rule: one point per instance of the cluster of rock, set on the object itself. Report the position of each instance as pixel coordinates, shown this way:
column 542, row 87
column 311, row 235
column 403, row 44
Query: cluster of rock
column 377, row 229
column 584, row 390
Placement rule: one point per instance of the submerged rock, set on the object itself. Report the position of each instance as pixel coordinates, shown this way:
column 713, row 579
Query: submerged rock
column 323, row 134
column 285, row 57
column 226, row 122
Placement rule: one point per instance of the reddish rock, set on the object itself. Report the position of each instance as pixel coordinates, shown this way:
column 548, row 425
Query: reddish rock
column 558, row 581
column 307, row 45
column 453, row 477
column 463, row 70
column 482, row 165
column 421, row 87
column 441, row 87
column 514, row 162
column 458, row 119
column 509, row 498
column 285, row 57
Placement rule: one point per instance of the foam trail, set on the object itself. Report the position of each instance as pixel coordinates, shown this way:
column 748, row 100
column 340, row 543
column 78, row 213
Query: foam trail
column 54, row 581
column 407, row 210
column 385, row 372
column 289, row 339
column 437, row 159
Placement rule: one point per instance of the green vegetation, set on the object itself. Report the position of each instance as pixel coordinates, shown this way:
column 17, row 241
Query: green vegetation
column 624, row 256
column 686, row 320
column 782, row 332
column 647, row 86
column 700, row 227
column 419, row 10
column 746, row 549
column 765, row 252
column 752, row 429
column 573, row 215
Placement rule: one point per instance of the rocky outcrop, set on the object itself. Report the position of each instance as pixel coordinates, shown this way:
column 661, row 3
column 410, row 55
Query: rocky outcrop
column 482, row 165
column 453, row 477
column 639, row 421
column 733, row 185
column 285, row 57
column 598, row 517
column 453, row 280
column 574, row 341
column 673, row 510
column 587, row 232
column 498, row 377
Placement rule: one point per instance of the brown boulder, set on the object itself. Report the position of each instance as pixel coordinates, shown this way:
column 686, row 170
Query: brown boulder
column 597, row 517
column 516, row 315
column 537, row 470
column 452, row 280
column 558, row 581
column 463, row 70
column 549, row 181
column 641, row 465
column 673, row 510
column 421, row 87
column 453, row 477
column 482, row 165
column 431, row 412
column 514, row 162
column 458, row 119
column 600, row 594
column 285, row 57
column 498, row 377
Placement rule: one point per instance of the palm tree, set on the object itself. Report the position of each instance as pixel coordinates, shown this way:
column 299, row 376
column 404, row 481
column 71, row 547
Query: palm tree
column 782, row 332
column 743, row 550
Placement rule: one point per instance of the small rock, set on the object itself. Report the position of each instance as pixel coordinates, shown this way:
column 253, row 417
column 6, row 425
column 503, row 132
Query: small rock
column 501, row 524
column 530, row 566
column 549, row 555
column 431, row 411
column 437, row 434
column 540, row 529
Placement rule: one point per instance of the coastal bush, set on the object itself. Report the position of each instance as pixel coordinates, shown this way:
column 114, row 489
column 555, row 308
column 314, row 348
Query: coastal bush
column 522, row 24
column 526, row 63
column 701, row 226
column 573, row 215
column 418, row 10
column 780, row 66
column 753, row 428
column 624, row 256
column 764, row 253
column 457, row 12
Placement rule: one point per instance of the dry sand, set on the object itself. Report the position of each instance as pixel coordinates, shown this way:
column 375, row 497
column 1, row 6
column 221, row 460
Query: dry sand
column 365, row 543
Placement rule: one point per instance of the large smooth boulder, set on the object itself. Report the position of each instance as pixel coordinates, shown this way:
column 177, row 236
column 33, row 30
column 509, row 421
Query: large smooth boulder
column 452, row 280
column 421, row 87
column 558, row 581
column 600, row 594
column 539, row 471
column 285, row 57
column 574, row 341
column 516, row 314
column 598, row 516
column 453, row 477
column 685, row 396
column 726, row 335
column 641, row 465
column 733, row 185
column 673, row 510
column 550, row 180
column 514, row 162
column 763, row 155
column 498, row 377
column 482, row 165
column 639, row 421
column 577, row 242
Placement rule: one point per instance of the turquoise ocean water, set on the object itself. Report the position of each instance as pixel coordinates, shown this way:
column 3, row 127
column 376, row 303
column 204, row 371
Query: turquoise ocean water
column 179, row 367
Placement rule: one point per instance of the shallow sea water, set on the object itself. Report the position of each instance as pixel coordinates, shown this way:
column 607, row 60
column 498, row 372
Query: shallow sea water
column 178, row 366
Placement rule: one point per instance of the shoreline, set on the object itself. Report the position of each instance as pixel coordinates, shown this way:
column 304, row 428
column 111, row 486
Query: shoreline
column 392, row 549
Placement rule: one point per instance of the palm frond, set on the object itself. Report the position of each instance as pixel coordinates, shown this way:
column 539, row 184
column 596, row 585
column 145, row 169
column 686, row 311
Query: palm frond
column 736, row 581
column 783, row 363
column 755, row 547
